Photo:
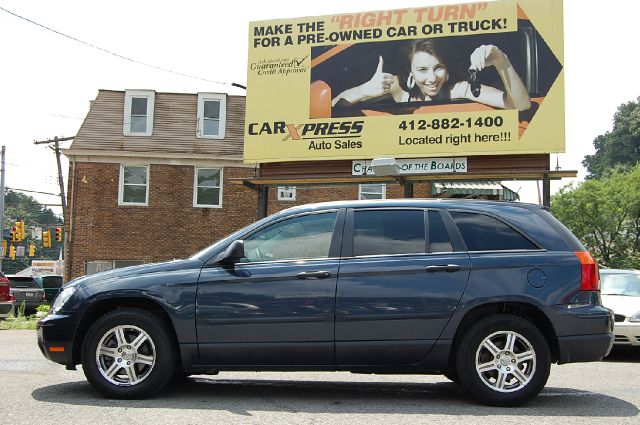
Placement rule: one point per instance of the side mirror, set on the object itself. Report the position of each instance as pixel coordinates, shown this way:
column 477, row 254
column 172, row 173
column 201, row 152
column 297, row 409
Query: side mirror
column 233, row 254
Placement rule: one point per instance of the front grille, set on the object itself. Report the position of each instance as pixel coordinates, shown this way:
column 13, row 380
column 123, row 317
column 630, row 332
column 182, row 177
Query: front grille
column 619, row 317
column 621, row 338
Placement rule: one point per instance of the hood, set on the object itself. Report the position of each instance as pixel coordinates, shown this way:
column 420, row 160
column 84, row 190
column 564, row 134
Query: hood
column 621, row 304
column 136, row 271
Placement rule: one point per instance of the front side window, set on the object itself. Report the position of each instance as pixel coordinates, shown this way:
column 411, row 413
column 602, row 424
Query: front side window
column 138, row 112
column 303, row 237
column 372, row 191
column 208, row 187
column 483, row 233
column 211, row 115
column 388, row 232
column 134, row 185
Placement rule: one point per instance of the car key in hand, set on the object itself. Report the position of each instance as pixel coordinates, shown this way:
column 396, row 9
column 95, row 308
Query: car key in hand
column 474, row 83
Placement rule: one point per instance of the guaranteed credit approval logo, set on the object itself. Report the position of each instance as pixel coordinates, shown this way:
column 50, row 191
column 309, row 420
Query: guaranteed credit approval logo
column 280, row 66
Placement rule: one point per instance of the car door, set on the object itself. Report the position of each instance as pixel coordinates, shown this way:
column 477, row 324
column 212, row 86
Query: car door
column 277, row 306
column 400, row 281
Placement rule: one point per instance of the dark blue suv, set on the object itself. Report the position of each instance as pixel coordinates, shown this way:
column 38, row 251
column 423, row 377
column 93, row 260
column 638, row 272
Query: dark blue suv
column 489, row 294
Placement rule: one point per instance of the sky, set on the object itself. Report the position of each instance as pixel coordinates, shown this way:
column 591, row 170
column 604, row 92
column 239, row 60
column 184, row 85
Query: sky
column 47, row 80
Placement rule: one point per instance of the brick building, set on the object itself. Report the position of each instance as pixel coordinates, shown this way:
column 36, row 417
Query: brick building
column 156, row 176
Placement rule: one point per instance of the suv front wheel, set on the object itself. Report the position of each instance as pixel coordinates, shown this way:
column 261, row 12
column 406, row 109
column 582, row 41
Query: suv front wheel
column 128, row 354
column 503, row 360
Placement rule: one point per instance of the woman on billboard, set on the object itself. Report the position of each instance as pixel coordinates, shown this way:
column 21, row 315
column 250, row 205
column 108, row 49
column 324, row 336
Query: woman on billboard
column 426, row 77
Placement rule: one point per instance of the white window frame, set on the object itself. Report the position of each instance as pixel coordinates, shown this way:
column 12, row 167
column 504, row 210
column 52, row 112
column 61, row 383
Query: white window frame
column 195, row 187
column 150, row 95
column 283, row 191
column 121, row 186
column 366, row 185
column 219, row 97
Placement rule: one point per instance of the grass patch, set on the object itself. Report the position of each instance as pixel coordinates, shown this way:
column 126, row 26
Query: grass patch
column 29, row 322
column 21, row 321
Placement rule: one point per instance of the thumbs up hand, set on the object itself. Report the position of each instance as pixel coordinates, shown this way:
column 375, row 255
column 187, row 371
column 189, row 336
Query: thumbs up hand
column 379, row 84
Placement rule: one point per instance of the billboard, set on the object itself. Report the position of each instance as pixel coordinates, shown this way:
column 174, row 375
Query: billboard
column 437, row 81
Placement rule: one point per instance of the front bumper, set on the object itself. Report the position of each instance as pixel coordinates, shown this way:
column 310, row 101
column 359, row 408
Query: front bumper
column 627, row 333
column 55, row 339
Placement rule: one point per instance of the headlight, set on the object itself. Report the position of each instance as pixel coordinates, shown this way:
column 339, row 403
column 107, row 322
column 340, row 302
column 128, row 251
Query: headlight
column 635, row 317
column 63, row 297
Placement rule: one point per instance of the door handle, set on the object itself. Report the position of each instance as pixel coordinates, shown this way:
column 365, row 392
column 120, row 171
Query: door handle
column 449, row 268
column 316, row 274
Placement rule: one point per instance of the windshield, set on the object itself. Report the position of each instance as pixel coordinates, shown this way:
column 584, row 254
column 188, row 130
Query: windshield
column 620, row 284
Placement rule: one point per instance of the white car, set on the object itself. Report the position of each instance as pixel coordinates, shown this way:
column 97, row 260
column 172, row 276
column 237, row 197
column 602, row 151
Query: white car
column 620, row 291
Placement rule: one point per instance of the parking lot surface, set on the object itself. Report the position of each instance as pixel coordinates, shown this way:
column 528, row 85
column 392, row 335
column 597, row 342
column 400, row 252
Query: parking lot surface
column 36, row 391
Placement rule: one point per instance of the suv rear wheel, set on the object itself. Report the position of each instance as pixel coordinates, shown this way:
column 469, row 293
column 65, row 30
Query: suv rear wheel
column 128, row 354
column 503, row 360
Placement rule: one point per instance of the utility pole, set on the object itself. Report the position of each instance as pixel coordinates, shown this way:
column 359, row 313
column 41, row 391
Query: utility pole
column 56, row 148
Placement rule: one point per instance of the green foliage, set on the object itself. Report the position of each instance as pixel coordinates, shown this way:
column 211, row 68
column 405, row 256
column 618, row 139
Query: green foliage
column 18, row 205
column 44, row 308
column 605, row 215
column 619, row 147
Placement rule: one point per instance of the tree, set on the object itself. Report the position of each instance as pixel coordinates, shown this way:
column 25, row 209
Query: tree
column 619, row 147
column 20, row 206
column 605, row 215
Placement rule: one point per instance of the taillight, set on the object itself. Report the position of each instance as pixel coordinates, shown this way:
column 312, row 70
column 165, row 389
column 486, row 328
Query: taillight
column 590, row 280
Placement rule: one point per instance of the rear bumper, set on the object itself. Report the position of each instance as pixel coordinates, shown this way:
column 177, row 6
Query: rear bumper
column 584, row 348
column 585, row 333
column 6, row 309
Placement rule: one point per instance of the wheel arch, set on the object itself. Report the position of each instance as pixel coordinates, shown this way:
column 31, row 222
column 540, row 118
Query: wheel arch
column 526, row 311
column 102, row 307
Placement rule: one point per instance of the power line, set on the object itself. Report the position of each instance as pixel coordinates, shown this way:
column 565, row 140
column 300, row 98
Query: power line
column 93, row 46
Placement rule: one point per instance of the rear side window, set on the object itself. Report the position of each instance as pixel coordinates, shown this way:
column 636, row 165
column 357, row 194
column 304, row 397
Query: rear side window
column 388, row 232
column 483, row 233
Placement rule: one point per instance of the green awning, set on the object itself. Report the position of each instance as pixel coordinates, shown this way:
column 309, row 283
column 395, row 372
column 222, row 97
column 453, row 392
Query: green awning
column 473, row 189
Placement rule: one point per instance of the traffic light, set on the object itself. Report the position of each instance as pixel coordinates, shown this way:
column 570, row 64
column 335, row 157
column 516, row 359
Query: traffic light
column 14, row 234
column 18, row 230
column 46, row 238
column 59, row 234
column 12, row 252
column 32, row 249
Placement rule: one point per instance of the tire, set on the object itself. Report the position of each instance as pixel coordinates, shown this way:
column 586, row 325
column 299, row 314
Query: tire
column 127, row 354
column 503, row 360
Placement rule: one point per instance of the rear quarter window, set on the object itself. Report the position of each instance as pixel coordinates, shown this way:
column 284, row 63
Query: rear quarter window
column 484, row 233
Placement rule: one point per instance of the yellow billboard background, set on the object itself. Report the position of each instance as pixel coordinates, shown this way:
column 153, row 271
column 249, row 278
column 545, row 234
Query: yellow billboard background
column 289, row 116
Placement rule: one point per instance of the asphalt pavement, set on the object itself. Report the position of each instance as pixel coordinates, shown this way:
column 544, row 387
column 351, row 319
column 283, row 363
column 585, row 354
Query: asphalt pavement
column 36, row 391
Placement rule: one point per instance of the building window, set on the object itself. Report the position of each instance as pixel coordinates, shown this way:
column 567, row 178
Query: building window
column 372, row 191
column 138, row 112
column 207, row 188
column 134, row 185
column 286, row 193
column 212, row 111
column 104, row 265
